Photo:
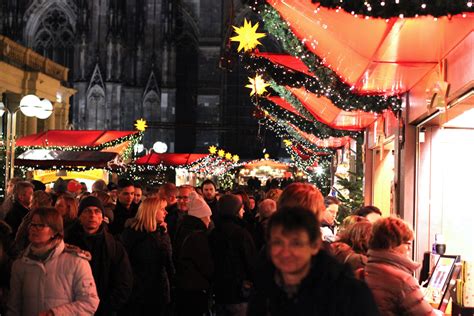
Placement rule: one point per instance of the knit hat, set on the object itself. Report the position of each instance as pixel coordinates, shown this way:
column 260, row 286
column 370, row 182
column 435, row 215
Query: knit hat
column 229, row 205
column 90, row 201
column 197, row 207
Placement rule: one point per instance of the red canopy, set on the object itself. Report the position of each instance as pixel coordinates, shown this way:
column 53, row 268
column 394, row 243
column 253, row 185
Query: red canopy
column 374, row 55
column 67, row 138
column 330, row 142
column 169, row 159
column 287, row 61
column 325, row 111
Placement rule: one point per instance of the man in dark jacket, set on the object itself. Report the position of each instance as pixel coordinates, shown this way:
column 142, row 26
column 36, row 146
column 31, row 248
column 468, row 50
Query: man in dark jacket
column 302, row 279
column 233, row 253
column 194, row 265
column 176, row 208
column 22, row 193
column 125, row 207
column 110, row 265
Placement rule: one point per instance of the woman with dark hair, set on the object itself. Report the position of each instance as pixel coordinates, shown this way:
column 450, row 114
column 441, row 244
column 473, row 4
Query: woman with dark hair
column 51, row 278
column 389, row 270
column 149, row 250
column 352, row 246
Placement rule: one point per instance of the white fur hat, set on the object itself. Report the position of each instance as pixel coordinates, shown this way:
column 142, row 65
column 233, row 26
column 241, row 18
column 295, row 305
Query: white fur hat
column 197, row 207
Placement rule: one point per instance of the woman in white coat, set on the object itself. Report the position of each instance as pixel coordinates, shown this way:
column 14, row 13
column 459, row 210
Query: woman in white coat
column 51, row 278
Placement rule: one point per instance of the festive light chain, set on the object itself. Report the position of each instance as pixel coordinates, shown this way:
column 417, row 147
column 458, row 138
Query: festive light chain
column 300, row 163
column 284, row 131
column 399, row 8
column 134, row 138
column 280, row 128
column 314, row 127
column 340, row 93
column 284, row 76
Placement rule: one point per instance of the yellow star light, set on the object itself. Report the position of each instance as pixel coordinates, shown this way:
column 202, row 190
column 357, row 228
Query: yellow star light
column 258, row 85
column 140, row 125
column 228, row 156
column 287, row 142
column 221, row 153
column 266, row 156
column 235, row 158
column 212, row 149
column 247, row 36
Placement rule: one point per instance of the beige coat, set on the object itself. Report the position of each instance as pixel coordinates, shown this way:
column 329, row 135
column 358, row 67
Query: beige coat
column 390, row 277
column 63, row 284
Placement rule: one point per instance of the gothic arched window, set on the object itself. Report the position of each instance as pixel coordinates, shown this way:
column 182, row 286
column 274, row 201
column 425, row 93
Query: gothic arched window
column 95, row 109
column 151, row 106
column 54, row 38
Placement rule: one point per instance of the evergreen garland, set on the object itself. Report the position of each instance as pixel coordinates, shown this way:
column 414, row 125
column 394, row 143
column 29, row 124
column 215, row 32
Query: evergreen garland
column 287, row 77
column 330, row 85
column 312, row 125
column 399, row 8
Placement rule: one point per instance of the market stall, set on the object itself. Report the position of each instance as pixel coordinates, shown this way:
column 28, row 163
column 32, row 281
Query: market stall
column 82, row 155
column 265, row 170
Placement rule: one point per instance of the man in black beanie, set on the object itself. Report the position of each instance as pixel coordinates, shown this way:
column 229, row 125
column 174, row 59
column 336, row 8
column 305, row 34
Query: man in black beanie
column 110, row 265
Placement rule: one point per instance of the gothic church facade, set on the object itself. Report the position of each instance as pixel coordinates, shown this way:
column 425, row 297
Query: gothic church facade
column 152, row 59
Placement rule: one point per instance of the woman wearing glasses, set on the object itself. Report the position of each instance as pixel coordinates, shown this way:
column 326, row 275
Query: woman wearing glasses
column 389, row 270
column 51, row 278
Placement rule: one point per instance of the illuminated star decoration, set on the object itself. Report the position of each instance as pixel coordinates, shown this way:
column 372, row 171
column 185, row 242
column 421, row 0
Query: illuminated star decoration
column 235, row 158
column 287, row 142
column 212, row 149
column 140, row 125
column 221, row 153
column 258, row 85
column 247, row 36
column 228, row 156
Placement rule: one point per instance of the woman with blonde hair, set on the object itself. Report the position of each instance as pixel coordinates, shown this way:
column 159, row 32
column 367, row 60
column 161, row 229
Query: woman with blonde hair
column 149, row 250
column 389, row 270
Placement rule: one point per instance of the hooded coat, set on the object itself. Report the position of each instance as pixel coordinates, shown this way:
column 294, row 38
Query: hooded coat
column 62, row 283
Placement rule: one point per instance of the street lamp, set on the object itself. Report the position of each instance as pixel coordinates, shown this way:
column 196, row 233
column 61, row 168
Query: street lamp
column 158, row 147
column 31, row 106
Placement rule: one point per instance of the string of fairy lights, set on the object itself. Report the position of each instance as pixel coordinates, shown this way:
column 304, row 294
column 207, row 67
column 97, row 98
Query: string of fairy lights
column 329, row 84
column 283, row 76
column 386, row 9
column 399, row 8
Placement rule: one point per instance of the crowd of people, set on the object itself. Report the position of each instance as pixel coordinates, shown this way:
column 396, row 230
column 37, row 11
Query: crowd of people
column 121, row 249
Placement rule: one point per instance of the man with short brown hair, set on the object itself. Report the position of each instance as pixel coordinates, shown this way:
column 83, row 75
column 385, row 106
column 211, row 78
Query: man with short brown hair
column 22, row 194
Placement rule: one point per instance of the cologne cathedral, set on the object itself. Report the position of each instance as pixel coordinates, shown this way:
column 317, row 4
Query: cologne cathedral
column 167, row 61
